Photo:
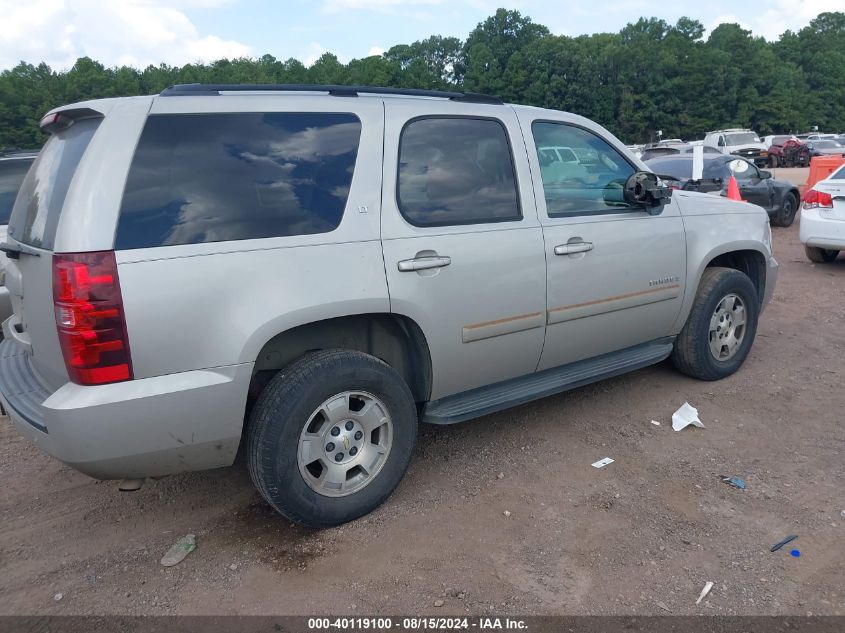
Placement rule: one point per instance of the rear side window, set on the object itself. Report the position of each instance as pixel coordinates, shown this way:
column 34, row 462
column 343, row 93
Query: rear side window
column 839, row 175
column 456, row 171
column 215, row 177
column 35, row 215
column 12, row 173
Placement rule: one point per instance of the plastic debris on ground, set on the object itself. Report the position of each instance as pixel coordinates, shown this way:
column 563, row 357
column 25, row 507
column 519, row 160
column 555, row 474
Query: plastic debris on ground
column 180, row 549
column 736, row 482
column 704, row 592
column 602, row 462
column 684, row 416
column 655, row 423
column 796, row 553
column 788, row 539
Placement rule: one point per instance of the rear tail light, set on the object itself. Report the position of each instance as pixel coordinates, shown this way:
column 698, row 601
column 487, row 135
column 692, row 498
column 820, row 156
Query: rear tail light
column 815, row 199
column 90, row 318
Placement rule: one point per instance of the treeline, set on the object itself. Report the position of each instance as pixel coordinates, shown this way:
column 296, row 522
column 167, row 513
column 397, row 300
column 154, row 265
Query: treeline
column 650, row 76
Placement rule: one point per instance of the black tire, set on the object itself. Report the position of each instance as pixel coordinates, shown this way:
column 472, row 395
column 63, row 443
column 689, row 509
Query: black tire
column 820, row 255
column 283, row 409
column 786, row 214
column 773, row 161
column 691, row 354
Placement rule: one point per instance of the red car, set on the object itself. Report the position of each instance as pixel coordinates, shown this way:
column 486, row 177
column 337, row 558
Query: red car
column 789, row 153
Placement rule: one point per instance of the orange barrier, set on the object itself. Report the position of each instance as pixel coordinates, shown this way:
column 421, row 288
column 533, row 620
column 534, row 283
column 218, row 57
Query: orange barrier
column 820, row 168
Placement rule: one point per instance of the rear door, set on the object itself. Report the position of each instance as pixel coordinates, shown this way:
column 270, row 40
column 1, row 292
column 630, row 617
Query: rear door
column 462, row 246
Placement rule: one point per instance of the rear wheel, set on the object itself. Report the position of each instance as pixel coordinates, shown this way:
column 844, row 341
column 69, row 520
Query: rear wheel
column 773, row 161
column 820, row 255
column 720, row 330
column 331, row 436
column 786, row 214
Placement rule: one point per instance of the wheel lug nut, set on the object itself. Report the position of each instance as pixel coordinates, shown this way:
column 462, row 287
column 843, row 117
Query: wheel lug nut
column 338, row 457
column 335, row 431
column 330, row 447
column 353, row 451
column 358, row 435
column 349, row 425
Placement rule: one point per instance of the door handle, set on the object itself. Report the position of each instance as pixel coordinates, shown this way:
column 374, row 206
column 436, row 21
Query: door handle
column 574, row 247
column 424, row 263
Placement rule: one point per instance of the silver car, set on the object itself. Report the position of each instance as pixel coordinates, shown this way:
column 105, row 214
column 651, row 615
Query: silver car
column 308, row 272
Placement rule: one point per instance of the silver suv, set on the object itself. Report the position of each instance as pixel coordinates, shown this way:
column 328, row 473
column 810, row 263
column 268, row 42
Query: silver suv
column 308, row 271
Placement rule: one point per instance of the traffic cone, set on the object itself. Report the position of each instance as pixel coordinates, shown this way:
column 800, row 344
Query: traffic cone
column 733, row 190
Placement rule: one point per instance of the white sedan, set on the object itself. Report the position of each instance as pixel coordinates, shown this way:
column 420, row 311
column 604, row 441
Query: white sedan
column 822, row 230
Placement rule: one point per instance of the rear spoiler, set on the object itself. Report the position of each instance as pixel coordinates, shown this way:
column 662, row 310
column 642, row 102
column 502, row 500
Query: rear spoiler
column 63, row 119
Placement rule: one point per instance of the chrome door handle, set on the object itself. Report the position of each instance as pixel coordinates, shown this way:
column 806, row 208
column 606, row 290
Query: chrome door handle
column 423, row 263
column 574, row 247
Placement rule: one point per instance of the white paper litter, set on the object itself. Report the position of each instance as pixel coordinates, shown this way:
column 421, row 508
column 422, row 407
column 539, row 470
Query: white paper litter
column 655, row 423
column 707, row 587
column 602, row 463
column 685, row 416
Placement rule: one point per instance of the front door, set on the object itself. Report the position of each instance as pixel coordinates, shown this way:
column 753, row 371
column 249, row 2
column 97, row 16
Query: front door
column 752, row 187
column 463, row 249
column 616, row 275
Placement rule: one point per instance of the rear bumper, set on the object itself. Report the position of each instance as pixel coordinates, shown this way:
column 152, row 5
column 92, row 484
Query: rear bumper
column 138, row 428
column 821, row 232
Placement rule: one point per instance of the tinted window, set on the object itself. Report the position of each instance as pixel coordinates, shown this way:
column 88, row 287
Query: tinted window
column 12, row 173
column 593, row 184
column 35, row 215
column 680, row 168
column 214, row 177
column 456, row 171
column 839, row 175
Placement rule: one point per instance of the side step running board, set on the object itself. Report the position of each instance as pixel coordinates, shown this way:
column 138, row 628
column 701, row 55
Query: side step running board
column 516, row 391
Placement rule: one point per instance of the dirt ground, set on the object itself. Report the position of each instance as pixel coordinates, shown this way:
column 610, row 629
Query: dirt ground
column 501, row 515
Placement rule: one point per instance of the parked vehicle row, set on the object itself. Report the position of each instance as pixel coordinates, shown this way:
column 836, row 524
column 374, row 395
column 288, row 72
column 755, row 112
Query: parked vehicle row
column 310, row 275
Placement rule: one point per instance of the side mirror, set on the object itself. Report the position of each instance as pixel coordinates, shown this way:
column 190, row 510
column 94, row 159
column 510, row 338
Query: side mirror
column 644, row 189
column 764, row 174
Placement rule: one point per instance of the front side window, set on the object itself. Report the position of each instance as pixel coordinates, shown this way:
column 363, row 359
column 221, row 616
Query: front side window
column 591, row 184
column 742, row 169
column 456, row 171
column 202, row 178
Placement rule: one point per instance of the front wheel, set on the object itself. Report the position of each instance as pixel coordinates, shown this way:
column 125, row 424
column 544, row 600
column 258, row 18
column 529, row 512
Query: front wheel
column 820, row 255
column 720, row 329
column 331, row 436
column 786, row 214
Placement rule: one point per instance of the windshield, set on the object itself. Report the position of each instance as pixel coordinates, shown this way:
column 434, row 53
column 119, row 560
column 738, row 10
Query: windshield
column 35, row 215
column 738, row 138
column 827, row 144
column 12, row 173
column 780, row 140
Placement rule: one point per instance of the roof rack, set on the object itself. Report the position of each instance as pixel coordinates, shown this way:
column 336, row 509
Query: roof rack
column 183, row 90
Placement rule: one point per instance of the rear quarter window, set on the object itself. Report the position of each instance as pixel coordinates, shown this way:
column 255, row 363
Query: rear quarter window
column 199, row 178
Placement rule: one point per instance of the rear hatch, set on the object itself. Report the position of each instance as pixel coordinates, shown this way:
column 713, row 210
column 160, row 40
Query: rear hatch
column 31, row 237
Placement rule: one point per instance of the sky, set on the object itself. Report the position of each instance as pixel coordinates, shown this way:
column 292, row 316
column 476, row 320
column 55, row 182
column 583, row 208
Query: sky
column 142, row 32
